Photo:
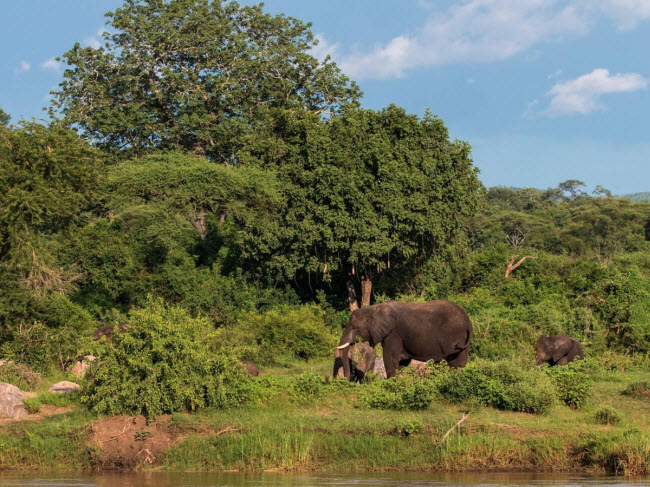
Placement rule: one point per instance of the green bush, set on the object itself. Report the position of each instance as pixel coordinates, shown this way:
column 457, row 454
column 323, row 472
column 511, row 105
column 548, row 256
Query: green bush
column 281, row 335
column 607, row 415
column 638, row 390
column 19, row 375
column 308, row 386
column 407, row 390
column 573, row 388
column 55, row 336
column 163, row 364
column 408, row 427
column 507, row 384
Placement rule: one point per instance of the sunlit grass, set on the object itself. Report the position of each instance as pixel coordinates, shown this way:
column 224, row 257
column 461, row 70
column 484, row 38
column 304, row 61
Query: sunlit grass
column 332, row 433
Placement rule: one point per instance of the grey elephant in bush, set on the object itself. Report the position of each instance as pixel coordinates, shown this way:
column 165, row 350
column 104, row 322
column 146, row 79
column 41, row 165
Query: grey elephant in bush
column 436, row 330
column 558, row 350
column 361, row 360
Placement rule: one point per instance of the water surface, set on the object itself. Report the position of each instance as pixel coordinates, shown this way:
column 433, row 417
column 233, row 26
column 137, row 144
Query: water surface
column 158, row 479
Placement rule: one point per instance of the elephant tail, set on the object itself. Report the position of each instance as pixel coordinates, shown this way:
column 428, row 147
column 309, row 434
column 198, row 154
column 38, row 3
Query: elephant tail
column 470, row 333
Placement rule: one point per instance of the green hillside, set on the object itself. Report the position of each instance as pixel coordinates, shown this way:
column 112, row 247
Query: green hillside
column 644, row 196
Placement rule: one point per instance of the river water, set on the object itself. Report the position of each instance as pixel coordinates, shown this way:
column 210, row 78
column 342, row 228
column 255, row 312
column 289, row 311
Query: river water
column 157, row 479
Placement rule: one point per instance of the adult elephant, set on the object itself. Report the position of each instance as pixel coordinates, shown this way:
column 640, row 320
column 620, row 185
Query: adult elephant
column 558, row 350
column 435, row 330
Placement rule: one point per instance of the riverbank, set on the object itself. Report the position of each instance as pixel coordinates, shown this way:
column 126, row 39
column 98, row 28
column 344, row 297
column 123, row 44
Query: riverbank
column 332, row 434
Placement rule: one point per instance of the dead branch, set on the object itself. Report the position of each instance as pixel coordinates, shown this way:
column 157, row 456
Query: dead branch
column 460, row 421
column 511, row 266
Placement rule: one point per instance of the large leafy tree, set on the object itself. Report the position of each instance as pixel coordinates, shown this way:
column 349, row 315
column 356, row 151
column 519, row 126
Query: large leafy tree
column 170, row 228
column 194, row 75
column 366, row 191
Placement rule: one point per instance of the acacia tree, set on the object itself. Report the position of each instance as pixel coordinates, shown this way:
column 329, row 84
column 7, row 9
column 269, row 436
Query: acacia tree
column 366, row 191
column 193, row 75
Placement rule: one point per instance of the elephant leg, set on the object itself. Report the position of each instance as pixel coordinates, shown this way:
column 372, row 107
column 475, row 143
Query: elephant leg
column 392, row 346
column 458, row 359
column 563, row 361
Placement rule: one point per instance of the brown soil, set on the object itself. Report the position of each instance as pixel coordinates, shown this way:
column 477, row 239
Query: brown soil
column 128, row 442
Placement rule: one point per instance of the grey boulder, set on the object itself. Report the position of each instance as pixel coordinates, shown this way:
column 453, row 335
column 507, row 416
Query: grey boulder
column 11, row 402
column 64, row 387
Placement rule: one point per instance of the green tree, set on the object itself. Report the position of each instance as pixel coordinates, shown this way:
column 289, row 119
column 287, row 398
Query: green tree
column 48, row 180
column 572, row 188
column 171, row 229
column 194, row 75
column 366, row 192
column 4, row 117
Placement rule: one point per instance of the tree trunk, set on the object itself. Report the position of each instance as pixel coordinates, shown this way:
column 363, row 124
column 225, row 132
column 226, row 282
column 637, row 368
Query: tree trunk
column 352, row 295
column 366, row 290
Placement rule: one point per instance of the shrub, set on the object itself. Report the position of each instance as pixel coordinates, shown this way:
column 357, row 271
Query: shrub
column 408, row 427
column 573, row 388
column 307, row 386
column 407, row 390
column 281, row 335
column 19, row 375
column 638, row 390
column 607, row 415
column 54, row 338
column 507, row 384
column 161, row 364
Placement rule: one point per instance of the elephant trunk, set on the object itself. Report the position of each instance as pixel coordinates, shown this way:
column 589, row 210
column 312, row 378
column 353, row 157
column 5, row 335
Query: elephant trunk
column 346, row 361
column 343, row 350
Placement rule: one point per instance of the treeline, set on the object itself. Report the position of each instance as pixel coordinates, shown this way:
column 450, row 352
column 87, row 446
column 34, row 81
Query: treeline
column 204, row 158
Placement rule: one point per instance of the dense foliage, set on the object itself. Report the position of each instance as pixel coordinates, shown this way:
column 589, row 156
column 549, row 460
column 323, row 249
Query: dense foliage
column 162, row 363
column 222, row 173
column 194, row 75
column 506, row 384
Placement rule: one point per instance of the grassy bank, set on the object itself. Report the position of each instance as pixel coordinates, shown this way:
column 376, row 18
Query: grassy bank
column 331, row 433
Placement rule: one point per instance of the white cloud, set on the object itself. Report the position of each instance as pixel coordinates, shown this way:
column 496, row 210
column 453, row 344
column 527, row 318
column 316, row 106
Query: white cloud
column 95, row 41
column 23, row 67
column 582, row 95
column 473, row 31
column 323, row 48
column 51, row 65
column 531, row 107
column 626, row 13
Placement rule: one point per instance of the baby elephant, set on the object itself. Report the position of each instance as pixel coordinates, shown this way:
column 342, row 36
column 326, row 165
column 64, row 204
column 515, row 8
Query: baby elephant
column 558, row 350
column 362, row 360
column 251, row 368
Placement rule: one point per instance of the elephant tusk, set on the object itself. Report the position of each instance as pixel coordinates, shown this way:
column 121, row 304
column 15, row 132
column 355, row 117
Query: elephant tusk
column 343, row 346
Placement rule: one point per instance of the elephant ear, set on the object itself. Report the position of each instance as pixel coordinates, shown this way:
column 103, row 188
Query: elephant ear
column 381, row 323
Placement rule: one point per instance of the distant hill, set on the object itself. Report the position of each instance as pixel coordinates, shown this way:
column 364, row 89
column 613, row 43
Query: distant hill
column 637, row 196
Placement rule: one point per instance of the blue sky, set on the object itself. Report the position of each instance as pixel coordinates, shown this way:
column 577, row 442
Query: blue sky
column 543, row 90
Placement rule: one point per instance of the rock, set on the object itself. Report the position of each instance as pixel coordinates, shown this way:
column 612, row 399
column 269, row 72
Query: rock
column 64, row 387
column 420, row 367
column 79, row 369
column 379, row 368
column 11, row 402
